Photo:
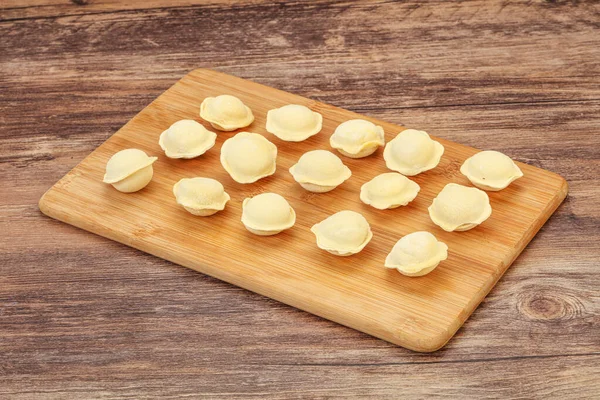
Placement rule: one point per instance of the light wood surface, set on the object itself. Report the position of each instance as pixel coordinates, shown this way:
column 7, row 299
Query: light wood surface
column 520, row 76
column 421, row 314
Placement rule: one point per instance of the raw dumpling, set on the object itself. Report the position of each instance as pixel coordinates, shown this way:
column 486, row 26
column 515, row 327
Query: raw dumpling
column 343, row 234
column 293, row 122
column 460, row 208
column 491, row 170
column 320, row 171
column 248, row 157
column 267, row 214
column 389, row 190
column 412, row 152
column 186, row 139
column 129, row 170
column 417, row 254
column 357, row 138
column 226, row 113
column 200, row 196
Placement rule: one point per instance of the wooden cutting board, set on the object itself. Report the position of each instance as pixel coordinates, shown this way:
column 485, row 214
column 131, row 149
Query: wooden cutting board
column 357, row 291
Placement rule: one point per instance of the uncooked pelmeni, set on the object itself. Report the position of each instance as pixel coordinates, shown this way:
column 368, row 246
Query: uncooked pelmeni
column 412, row 152
column 267, row 214
column 129, row 170
column 248, row 157
column 357, row 138
column 389, row 190
column 226, row 112
column 186, row 139
column 294, row 122
column 200, row 196
column 460, row 208
column 343, row 233
column 320, row 171
column 417, row 254
column 491, row 170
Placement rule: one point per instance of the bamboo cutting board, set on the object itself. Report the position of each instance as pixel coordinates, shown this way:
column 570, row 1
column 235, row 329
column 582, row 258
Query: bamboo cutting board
column 418, row 313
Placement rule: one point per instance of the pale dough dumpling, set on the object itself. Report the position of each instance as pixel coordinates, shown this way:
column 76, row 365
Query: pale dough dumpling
column 129, row 170
column 226, row 112
column 412, row 152
column 200, row 196
column 491, row 170
column 389, row 190
column 357, row 138
column 248, row 157
column 320, row 171
column 343, row 233
column 460, row 208
column 267, row 214
column 294, row 122
column 417, row 254
column 186, row 139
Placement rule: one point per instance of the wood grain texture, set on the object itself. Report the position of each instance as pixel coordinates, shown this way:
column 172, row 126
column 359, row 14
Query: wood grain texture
column 522, row 77
column 420, row 314
column 482, row 52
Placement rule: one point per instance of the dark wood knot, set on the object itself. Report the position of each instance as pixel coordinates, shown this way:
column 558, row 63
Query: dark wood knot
column 549, row 304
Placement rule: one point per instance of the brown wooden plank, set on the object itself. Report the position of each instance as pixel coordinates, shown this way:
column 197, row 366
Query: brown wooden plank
column 18, row 9
column 430, row 54
column 194, row 375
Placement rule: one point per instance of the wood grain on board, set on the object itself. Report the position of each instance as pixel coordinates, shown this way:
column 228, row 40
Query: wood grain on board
column 517, row 76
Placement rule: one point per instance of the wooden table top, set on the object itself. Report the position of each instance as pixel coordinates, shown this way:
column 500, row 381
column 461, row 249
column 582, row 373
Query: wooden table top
column 85, row 317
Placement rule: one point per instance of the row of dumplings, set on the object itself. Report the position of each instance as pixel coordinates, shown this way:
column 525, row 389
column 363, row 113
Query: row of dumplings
column 343, row 233
column 248, row 157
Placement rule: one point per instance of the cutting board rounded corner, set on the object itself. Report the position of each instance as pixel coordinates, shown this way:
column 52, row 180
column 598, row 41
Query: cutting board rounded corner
column 564, row 188
column 44, row 205
column 425, row 343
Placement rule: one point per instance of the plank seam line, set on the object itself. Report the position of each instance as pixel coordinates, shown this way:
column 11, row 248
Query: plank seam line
column 371, row 109
column 501, row 103
column 494, row 359
column 190, row 7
